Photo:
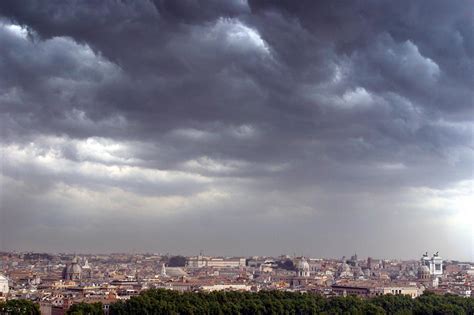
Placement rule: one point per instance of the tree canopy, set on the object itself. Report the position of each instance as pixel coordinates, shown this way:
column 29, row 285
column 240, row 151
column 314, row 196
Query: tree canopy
column 159, row 301
column 277, row 302
column 19, row 307
column 86, row 309
column 177, row 261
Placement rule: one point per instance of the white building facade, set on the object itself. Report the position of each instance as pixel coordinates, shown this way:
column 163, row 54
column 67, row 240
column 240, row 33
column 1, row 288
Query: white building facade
column 434, row 264
column 4, row 288
column 215, row 262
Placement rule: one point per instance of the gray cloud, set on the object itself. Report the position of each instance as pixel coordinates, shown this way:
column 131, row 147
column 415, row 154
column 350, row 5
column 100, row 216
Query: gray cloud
column 240, row 118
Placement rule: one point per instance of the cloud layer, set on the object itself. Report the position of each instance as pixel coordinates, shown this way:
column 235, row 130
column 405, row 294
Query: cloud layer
column 238, row 127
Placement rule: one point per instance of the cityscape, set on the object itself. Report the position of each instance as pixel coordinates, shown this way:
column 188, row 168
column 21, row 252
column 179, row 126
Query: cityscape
column 236, row 157
column 57, row 281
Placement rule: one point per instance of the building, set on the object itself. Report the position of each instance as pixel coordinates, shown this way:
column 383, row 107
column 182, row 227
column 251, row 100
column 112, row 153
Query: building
column 4, row 288
column 226, row 287
column 424, row 273
column 303, row 268
column 369, row 263
column 368, row 289
column 352, row 289
column 72, row 271
column 411, row 290
column 434, row 264
column 268, row 266
column 344, row 271
column 86, row 270
column 163, row 271
column 215, row 262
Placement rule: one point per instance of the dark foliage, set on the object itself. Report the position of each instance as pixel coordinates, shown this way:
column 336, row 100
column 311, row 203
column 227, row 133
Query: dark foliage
column 275, row 302
column 286, row 264
column 19, row 307
column 177, row 261
column 264, row 302
column 86, row 309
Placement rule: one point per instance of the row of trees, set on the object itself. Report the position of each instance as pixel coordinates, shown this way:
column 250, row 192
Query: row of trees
column 174, row 261
column 265, row 302
column 277, row 302
column 86, row 309
column 19, row 307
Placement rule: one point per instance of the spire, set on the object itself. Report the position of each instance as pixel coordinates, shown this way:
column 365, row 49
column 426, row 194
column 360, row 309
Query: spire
column 163, row 270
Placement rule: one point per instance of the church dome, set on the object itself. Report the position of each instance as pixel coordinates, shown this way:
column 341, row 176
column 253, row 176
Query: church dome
column 423, row 272
column 344, row 267
column 303, row 265
column 72, row 271
column 86, row 265
column 74, row 268
column 424, row 269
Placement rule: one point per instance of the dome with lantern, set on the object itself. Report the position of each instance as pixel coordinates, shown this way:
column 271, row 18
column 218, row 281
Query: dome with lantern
column 73, row 270
column 303, row 268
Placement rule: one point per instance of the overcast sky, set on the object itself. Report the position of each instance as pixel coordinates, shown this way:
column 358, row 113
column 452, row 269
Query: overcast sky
column 238, row 127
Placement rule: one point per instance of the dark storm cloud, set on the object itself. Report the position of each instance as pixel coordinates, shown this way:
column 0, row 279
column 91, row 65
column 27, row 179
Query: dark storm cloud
column 276, row 107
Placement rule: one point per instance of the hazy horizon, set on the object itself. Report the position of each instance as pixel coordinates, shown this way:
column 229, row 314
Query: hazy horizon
column 205, row 254
column 238, row 127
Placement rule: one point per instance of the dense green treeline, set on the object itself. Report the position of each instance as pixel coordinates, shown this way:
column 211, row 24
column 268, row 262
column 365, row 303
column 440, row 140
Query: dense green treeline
column 19, row 307
column 276, row 302
column 86, row 309
column 265, row 302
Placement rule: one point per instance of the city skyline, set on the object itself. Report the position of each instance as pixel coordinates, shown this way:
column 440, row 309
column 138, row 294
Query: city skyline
column 238, row 127
column 62, row 283
column 203, row 254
